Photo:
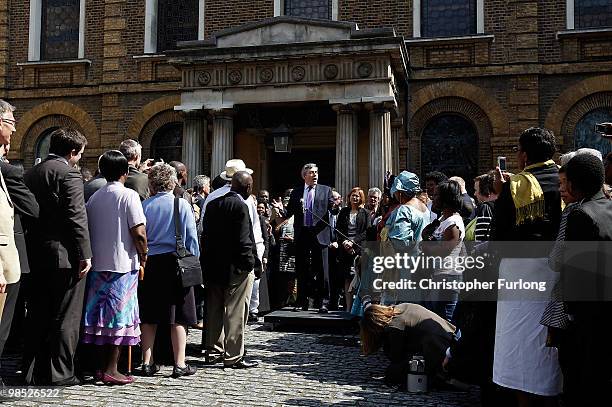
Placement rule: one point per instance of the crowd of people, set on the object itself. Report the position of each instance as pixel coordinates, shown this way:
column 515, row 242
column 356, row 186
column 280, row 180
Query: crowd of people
column 97, row 255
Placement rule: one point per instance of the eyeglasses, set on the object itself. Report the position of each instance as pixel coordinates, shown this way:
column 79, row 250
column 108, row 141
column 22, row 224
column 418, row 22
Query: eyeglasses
column 9, row 121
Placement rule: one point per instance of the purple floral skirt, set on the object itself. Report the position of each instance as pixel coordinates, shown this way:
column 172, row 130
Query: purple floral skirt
column 111, row 309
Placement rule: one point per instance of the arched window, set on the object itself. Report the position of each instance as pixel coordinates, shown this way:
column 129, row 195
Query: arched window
column 585, row 135
column 321, row 9
column 177, row 21
column 448, row 18
column 60, row 29
column 167, row 142
column 592, row 13
column 449, row 144
column 42, row 145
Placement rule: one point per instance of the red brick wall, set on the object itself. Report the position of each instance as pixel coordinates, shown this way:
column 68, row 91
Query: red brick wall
column 222, row 14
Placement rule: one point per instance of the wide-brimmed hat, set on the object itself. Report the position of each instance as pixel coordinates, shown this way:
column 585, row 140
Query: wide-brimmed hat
column 233, row 166
column 407, row 182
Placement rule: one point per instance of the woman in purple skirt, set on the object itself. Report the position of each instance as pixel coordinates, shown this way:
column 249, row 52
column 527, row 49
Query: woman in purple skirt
column 119, row 244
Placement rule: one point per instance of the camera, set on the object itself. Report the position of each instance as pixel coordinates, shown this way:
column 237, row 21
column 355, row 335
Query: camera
column 604, row 129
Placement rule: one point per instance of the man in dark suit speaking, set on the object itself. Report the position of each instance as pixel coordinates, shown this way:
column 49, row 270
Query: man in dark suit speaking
column 309, row 204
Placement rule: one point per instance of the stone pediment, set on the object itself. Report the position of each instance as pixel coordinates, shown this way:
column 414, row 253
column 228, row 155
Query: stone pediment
column 284, row 30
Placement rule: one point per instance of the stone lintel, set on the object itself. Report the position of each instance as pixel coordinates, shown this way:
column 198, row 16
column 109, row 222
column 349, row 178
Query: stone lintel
column 191, row 107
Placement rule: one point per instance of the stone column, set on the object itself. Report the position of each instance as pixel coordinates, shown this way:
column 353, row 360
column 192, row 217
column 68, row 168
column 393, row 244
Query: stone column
column 347, row 132
column 380, row 144
column 194, row 140
column 396, row 129
column 222, row 140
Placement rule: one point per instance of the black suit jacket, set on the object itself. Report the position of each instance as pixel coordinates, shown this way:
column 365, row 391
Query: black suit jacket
column 26, row 208
column 60, row 238
column 320, row 207
column 587, row 269
column 228, row 250
column 139, row 182
column 361, row 225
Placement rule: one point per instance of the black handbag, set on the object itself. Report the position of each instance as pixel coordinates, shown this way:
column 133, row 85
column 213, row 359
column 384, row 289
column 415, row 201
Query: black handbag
column 188, row 266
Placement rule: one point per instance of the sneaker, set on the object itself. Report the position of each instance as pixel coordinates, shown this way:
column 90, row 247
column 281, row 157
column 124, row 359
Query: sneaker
column 188, row 370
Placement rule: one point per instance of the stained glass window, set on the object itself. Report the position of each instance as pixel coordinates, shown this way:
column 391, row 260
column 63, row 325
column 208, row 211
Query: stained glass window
column 177, row 20
column 60, row 29
column 321, row 9
column 167, row 142
column 592, row 13
column 448, row 18
column 585, row 135
column 449, row 144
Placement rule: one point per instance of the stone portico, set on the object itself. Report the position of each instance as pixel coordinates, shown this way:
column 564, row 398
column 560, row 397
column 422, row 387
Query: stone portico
column 287, row 61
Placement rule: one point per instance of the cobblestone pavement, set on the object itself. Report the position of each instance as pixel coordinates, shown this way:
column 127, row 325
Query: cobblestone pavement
column 299, row 369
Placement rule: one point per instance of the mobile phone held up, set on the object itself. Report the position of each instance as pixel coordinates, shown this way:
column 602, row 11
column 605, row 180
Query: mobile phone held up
column 501, row 163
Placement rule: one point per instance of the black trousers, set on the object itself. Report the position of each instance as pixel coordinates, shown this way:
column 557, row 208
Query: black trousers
column 584, row 359
column 52, row 325
column 311, row 267
column 12, row 291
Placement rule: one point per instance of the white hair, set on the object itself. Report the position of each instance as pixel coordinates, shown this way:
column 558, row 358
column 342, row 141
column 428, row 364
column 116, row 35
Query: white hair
column 375, row 190
column 131, row 149
column 590, row 151
column 5, row 107
column 565, row 158
column 308, row 167
column 459, row 181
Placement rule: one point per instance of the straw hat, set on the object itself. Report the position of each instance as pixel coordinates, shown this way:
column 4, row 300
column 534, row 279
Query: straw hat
column 233, row 166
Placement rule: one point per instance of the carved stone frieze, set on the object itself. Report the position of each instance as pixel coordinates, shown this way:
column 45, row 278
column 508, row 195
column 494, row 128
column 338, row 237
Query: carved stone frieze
column 266, row 75
column 298, row 73
column 330, row 71
column 364, row 70
column 204, row 78
column 234, row 76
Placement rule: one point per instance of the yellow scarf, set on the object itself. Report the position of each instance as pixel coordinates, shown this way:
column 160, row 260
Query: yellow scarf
column 527, row 194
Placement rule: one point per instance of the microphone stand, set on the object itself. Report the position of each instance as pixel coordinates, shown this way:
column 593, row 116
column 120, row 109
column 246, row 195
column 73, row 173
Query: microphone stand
column 335, row 229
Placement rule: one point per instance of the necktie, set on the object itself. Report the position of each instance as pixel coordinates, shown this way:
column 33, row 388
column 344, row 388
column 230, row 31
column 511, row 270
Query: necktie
column 308, row 215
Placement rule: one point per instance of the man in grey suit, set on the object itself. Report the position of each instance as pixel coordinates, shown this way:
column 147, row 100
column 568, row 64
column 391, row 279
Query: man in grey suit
column 138, row 181
column 62, row 260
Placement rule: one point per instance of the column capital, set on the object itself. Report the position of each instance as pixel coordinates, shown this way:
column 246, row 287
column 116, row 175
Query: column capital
column 222, row 113
column 346, row 108
column 193, row 114
column 383, row 107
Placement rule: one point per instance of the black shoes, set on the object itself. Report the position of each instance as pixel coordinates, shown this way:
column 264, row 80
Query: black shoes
column 188, row 370
column 242, row 364
column 71, row 381
column 149, row 370
column 323, row 309
column 213, row 359
column 253, row 317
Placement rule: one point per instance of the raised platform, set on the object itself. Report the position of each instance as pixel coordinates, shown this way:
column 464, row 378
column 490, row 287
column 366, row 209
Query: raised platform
column 333, row 320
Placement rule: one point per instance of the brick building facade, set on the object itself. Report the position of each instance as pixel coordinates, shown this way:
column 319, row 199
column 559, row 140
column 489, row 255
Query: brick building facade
column 464, row 77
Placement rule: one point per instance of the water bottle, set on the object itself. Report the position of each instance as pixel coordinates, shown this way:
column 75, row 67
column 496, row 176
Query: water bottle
column 417, row 378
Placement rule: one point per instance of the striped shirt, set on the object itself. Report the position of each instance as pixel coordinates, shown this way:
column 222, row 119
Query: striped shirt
column 484, row 215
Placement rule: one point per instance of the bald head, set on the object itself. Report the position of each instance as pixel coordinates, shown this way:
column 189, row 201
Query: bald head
column 181, row 171
column 242, row 184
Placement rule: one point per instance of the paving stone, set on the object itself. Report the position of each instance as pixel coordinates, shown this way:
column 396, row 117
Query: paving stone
column 295, row 369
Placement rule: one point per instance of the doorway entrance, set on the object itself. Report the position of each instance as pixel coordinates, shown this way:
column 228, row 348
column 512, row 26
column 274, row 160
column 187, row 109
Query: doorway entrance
column 284, row 169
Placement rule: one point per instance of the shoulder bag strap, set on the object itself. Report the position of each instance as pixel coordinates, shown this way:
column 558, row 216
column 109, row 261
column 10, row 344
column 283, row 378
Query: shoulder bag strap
column 180, row 246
